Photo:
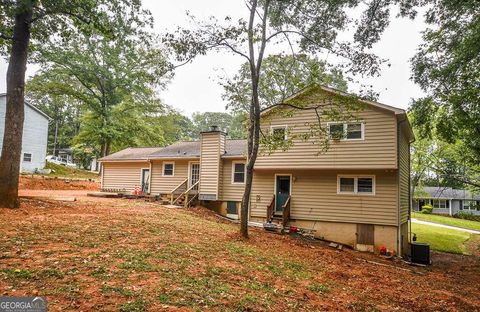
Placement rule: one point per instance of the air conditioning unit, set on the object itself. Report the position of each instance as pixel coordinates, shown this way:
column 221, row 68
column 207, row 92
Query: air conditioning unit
column 420, row 253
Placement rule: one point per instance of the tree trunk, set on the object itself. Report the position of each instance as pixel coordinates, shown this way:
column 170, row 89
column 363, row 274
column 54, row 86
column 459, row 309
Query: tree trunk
column 12, row 138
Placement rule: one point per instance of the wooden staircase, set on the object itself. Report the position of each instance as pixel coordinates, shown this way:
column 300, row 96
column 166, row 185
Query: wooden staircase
column 284, row 218
column 183, row 195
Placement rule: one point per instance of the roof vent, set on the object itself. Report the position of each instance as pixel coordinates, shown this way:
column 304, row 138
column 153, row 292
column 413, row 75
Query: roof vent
column 214, row 128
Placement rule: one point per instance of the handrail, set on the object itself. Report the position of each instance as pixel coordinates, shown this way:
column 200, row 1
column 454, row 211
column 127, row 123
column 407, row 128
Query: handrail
column 172, row 199
column 286, row 211
column 270, row 209
column 187, row 203
column 185, row 194
column 178, row 186
column 191, row 187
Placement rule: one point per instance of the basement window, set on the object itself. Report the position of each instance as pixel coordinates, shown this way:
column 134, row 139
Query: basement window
column 27, row 157
column 359, row 185
column 168, row 169
column 238, row 175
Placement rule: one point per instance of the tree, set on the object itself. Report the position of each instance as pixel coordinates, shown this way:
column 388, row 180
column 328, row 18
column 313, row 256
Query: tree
column 233, row 124
column 24, row 26
column 310, row 26
column 113, row 80
column 447, row 68
column 281, row 76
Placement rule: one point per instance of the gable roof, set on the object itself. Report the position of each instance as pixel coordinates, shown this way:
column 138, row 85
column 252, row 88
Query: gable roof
column 399, row 112
column 185, row 149
column 32, row 107
column 447, row 192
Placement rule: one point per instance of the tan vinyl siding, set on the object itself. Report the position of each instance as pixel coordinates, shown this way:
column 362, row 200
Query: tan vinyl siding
column 404, row 175
column 122, row 175
column 230, row 191
column 210, row 162
column 165, row 184
column 377, row 150
column 314, row 197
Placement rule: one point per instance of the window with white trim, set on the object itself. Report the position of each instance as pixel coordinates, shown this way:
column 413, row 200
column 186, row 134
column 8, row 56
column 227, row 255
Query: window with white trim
column 27, row 157
column 361, row 185
column 471, row 205
column 279, row 133
column 168, row 169
column 440, row 203
column 346, row 131
column 238, row 175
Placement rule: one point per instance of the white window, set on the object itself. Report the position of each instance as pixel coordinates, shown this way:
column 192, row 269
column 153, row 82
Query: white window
column 27, row 157
column 238, row 172
column 440, row 203
column 279, row 133
column 346, row 131
column 360, row 185
column 168, row 169
column 471, row 205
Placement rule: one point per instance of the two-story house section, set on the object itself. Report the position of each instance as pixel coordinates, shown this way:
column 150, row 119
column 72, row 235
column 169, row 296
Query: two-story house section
column 356, row 192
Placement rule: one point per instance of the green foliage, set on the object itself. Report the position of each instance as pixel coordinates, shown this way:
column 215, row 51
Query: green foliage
column 111, row 80
column 447, row 67
column 282, row 76
column 319, row 288
column 467, row 215
column 427, row 209
column 233, row 124
column 441, row 239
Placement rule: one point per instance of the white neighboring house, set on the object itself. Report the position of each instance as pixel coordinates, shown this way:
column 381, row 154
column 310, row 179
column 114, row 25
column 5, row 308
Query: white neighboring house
column 35, row 136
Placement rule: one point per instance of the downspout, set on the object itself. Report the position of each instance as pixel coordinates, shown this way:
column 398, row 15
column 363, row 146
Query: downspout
column 409, row 185
column 150, row 177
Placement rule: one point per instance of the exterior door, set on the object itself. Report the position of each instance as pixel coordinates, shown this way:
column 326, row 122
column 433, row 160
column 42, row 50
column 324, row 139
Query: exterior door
column 194, row 174
column 145, row 180
column 282, row 191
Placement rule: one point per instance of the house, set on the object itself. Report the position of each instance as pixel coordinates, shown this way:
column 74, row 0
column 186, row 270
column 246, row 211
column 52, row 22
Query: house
column 35, row 136
column 356, row 193
column 446, row 200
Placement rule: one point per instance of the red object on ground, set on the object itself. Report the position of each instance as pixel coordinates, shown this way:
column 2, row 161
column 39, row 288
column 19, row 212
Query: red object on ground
column 383, row 250
column 293, row 229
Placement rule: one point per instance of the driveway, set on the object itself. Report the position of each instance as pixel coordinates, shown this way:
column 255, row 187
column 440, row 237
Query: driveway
column 446, row 226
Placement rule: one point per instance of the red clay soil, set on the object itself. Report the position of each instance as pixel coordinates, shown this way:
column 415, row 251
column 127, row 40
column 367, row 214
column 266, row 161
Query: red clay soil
column 41, row 183
column 131, row 255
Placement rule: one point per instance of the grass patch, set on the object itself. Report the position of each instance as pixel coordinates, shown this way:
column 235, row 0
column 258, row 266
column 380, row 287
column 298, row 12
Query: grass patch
column 68, row 172
column 467, row 224
column 119, row 290
column 51, row 273
column 17, row 273
column 319, row 288
column 134, row 306
column 441, row 239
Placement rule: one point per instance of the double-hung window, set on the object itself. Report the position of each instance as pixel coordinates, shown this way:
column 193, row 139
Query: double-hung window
column 168, row 169
column 279, row 133
column 346, row 131
column 27, row 157
column 360, row 185
column 238, row 174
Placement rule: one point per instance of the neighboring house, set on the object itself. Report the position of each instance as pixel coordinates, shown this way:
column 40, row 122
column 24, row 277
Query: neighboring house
column 35, row 136
column 356, row 193
column 446, row 200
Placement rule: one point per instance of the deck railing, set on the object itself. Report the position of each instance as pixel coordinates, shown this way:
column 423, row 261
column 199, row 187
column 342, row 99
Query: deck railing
column 178, row 190
column 271, row 209
column 286, row 211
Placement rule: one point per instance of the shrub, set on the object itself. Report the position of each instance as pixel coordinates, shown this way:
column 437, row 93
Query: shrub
column 466, row 215
column 427, row 209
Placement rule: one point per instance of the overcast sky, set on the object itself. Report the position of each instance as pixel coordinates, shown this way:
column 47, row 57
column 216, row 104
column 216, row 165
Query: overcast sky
column 195, row 86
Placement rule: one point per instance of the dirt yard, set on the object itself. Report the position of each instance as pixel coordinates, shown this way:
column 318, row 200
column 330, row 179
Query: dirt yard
column 129, row 255
column 52, row 183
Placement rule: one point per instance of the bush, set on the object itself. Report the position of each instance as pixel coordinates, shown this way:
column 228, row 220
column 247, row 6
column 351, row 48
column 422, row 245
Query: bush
column 466, row 215
column 427, row 209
